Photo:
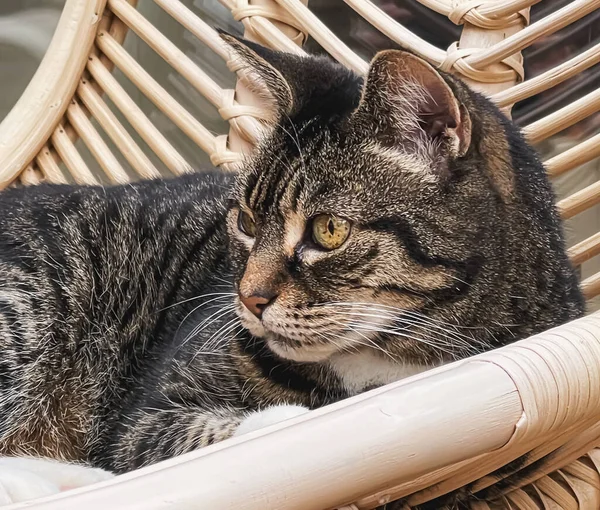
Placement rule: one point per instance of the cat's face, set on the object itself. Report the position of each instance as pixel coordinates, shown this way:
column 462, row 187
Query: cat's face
column 341, row 230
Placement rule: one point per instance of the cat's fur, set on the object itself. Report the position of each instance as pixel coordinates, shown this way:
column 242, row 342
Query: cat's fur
column 123, row 340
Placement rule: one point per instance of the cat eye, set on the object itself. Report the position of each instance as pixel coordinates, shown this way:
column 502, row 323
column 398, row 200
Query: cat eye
column 330, row 232
column 246, row 224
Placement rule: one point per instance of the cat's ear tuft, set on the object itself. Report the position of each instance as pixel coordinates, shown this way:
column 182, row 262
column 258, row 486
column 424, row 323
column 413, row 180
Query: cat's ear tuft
column 406, row 101
column 250, row 61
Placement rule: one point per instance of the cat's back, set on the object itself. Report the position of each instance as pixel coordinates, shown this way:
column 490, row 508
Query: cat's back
column 88, row 277
column 20, row 205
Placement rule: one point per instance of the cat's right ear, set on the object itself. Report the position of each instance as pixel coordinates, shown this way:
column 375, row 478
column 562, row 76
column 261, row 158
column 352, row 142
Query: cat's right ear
column 251, row 61
column 406, row 102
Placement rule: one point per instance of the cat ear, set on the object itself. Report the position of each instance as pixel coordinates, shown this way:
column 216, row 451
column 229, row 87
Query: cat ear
column 252, row 62
column 299, row 86
column 406, row 101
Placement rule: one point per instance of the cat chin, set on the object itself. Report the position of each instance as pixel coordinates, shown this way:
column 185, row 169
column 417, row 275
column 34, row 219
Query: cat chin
column 309, row 354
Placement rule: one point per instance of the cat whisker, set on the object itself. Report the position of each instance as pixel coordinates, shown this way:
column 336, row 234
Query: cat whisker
column 213, row 342
column 211, row 319
column 402, row 314
column 329, row 336
column 406, row 324
column 213, row 345
column 220, row 295
column 377, row 328
column 371, row 343
column 216, row 277
column 220, row 313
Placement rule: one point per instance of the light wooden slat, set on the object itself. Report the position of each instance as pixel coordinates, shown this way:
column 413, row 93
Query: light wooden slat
column 561, row 18
column 116, row 28
column 325, row 37
column 156, row 93
column 504, row 7
column 30, row 176
column 32, row 120
column 563, row 118
column 47, row 165
column 498, row 9
column 574, row 157
column 115, row 130
column 71, row 158
column 184, row 65
column 96, row 144
column 585, row 250
column 137, row 118
column 591, row 286
column 167, row 50
column 580, row 201
column 395, row 31
column 277, row 26
column 495, row 77
column 201, row 30
column 261, row 29
column 550, row 78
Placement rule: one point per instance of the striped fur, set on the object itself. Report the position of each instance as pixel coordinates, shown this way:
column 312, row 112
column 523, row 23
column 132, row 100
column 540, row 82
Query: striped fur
column 123, row 341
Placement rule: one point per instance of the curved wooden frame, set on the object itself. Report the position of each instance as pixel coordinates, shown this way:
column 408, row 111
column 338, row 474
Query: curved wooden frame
column 333, row 458
column 30, row 123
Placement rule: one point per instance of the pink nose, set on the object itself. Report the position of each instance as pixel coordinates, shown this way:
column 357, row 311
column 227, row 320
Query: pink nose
column 257, row 303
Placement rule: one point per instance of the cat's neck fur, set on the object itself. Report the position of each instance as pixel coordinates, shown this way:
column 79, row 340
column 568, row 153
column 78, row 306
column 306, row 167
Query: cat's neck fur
column 341, row 376
column 369, row 369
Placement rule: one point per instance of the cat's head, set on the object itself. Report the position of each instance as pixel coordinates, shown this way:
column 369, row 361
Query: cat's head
column 358, row 221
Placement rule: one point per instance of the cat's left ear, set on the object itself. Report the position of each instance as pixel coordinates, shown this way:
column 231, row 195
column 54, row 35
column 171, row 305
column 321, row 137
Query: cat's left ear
column 406, row 101
column 251, row 61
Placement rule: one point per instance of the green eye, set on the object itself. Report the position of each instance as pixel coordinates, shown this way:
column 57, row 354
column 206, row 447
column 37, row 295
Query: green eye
column 330, row 232
column 246, row 224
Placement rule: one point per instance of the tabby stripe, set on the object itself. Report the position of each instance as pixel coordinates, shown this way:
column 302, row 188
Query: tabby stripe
column 275, row 369
column 467, row 270
column 179, row 269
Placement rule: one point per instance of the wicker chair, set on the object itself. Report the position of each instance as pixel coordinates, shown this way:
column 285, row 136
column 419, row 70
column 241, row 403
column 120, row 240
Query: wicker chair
column 456, row 427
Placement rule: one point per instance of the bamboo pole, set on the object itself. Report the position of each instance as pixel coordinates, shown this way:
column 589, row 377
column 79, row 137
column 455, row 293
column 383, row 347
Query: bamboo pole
column 585, row 250
column 516, row 42
column 550, row 78
column 182, row 64
column 575, row 156
column 563, row 118
column 46, row 161
column 30, row 176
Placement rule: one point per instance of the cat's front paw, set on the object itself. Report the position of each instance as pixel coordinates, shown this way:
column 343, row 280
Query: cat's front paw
column 269, row 416
column 24, row 479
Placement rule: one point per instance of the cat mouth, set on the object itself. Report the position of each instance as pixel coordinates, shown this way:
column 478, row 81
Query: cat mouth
column 292, row 346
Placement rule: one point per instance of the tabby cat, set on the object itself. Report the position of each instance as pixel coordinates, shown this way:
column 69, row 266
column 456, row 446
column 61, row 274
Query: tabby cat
column 385, row 225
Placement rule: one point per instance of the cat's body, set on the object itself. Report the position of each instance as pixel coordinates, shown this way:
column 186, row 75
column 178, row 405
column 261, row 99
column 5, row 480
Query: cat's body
column 380, row 229
column 115, row 280
column 101, row 290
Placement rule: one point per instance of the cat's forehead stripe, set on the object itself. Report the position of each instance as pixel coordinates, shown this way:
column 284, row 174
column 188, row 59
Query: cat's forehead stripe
column 277, row 185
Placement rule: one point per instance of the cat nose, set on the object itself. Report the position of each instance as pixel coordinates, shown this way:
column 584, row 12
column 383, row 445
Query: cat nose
column 256, row 303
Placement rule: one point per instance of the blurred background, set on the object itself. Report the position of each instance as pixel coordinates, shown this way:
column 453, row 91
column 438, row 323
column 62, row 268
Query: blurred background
column 27, row 26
